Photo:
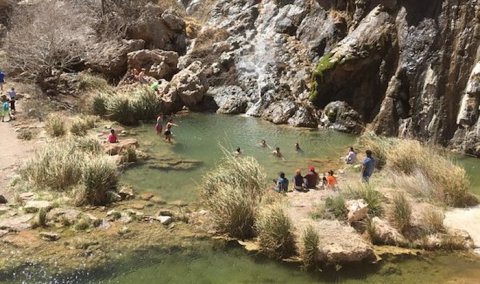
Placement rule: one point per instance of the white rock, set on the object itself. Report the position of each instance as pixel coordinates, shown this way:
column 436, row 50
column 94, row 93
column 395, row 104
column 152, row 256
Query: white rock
column 357, row 210
column 165, row 220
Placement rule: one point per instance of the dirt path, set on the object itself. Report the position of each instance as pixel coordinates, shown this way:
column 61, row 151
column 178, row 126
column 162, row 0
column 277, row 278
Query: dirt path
column 13, row 152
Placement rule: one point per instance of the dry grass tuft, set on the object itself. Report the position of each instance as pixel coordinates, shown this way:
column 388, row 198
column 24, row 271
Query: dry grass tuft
column 401, row 212
column 310, row 253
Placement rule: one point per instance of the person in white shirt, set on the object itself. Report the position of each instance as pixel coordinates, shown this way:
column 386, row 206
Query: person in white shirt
column 351, row 157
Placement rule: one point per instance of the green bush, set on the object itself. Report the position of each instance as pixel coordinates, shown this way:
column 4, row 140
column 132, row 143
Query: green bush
column 55, row 125
column 401, row 212
column 310, row 252
column 274, row 230
column 100, row 178
column 233, row 192
column 99, row 104
column 366, row 192
column 336, row 206
column 25, row 134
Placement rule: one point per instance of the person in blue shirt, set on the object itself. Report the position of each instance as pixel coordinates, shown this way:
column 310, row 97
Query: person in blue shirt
column 282, row 183
column 368, row 166
column 2, row 80
column 5, row 110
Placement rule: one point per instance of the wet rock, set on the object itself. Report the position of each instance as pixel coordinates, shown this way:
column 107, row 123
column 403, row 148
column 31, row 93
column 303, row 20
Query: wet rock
column 116, row 148
column 303, row 117
column 3, row 200
column 357, row 210
column 110, row 58
column 174, row 164
column 146, row 196
column 126, row 193
column 49, row 236
column 341, row 117
column 158, row 200
column 18, row 223
column 229, row 99
column 165, row 220
column 158, row 63
column 386, row 234
column 189, row 85
column 33, row 206
column 279, row 112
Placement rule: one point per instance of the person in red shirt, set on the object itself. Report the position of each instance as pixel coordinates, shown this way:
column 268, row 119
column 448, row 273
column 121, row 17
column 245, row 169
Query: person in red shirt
column 311, row 178
column 112, row 138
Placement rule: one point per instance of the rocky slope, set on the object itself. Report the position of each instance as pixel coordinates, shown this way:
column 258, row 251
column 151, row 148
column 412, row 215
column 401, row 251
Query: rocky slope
column 400, row 68
column 397, row 67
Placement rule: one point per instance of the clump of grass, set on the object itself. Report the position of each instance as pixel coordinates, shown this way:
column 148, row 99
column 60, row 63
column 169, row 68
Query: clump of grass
column 55, row 125
column 129, row 155
column 366, row 192
column 336, row 206
column 40, row 219
column 80, row 125
column 379, row 146
column 432, row 220
column 88, row 82
column 25, row 134
column 100, row 177
column 401, row 212
column 82, row 224
column 320, row 212
column 323, row 67
column 371, row 230
column 310, row 253
column 274, row 230
column 127, row 107
column 233, row 192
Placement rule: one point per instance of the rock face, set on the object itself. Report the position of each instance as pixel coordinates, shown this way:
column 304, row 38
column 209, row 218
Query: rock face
column 189, row 85
column 159, row 64
column 110, row 58
column 386, row 234
column 357, row 210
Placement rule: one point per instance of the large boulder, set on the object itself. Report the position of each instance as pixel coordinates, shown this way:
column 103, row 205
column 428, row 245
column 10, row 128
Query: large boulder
column 386, row 234
column 303, row 117
column 110, row 58
column 340, row 116
column 17, row 223
column 357, row 210
column 229, row 99
column 158, row 63
column 279, row 112
column 189, row 85
column 159, row 29
column 122, row 145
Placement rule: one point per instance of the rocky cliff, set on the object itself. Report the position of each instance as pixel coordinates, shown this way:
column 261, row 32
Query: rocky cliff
column 400, row 68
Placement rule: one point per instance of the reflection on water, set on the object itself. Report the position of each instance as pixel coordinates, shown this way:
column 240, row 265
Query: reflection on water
column 202, row 136
column 205, row 263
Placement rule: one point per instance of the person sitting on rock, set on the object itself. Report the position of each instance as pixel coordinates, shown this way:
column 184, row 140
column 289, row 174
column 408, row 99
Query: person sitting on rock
column 112, row 138
column 298, row 181
column 351, row 157
column 331, row 180
column 277, row 153
column 311, row 178
column 282, row 183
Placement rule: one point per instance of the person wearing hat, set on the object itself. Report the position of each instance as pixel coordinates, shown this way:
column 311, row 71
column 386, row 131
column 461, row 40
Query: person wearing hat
column 311, row 178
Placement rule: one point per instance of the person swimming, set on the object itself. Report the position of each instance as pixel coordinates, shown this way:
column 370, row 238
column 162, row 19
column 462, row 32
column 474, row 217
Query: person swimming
column 237, row 152
column 277, row 153
column 297, row 147
column 263, row 143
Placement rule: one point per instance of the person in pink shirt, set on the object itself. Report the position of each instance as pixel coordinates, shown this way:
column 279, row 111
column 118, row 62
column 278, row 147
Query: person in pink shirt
column 112, row 138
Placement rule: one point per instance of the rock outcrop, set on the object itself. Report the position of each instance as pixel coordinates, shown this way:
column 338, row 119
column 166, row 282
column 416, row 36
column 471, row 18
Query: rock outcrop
column 159, row 64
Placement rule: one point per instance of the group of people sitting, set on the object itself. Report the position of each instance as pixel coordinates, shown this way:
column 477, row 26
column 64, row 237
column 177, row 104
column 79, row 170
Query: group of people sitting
column 306, row 182
column 8, row 105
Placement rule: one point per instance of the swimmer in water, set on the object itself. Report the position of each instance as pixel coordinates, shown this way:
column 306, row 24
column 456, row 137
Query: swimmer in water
column 237, row 152
column 168, row 131
column 297, row 147
column 277, row 153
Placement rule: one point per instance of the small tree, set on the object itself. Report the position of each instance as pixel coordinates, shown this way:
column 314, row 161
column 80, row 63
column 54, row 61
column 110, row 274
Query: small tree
column 46, row 36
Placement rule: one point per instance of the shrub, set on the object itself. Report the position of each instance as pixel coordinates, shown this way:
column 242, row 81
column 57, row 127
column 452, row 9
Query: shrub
column 310, row 252
column 366, row 192
column 379, row 146
column 371, row 230
column 25, row 134
column 82, row 224
column 274, row 230
column 40, row 219
column 88, row 82
column 100, row 179
column 432, row 220
column 55, row 125
column 78, row 127
column 233, row 192
column 401, row 211
column 56, row 167
column 98, row 104
column 336, row 206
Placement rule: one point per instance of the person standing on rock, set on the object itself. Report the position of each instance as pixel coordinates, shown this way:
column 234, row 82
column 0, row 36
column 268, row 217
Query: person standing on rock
column 2, row 80
column 368, row 166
